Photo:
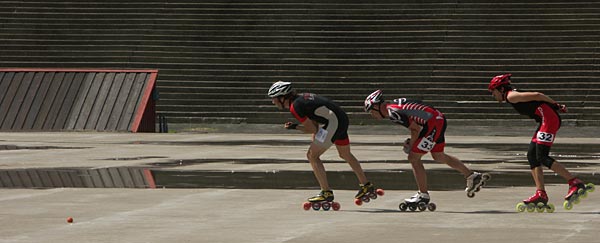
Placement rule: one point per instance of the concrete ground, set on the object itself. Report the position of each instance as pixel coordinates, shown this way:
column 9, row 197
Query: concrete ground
column 234, row 213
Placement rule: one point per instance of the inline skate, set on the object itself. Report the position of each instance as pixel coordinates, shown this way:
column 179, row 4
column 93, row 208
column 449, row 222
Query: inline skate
column 577, row 191
column 366, row 193
column 324, row 200
column 539, row 202
column 475, row 181
column 419, row 201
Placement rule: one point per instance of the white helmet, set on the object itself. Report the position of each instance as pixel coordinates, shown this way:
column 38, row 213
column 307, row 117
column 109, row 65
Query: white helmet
column 373, row 99
column 280, row 88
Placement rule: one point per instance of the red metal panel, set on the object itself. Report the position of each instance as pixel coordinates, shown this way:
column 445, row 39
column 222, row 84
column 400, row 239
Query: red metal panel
column 77, row 99
column 148, row 107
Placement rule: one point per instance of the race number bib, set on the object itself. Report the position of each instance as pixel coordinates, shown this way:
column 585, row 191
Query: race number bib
column 545, row 137
column 426, row 145
column 321, row 135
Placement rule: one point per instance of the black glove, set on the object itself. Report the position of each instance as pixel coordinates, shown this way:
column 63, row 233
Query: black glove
column 290, row 125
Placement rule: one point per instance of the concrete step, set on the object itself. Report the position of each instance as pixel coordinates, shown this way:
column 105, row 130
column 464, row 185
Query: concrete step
column 359, row 97
column 423, row 85
column 210, row 54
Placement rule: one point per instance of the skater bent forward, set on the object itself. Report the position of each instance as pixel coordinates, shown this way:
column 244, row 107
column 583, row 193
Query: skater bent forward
column 543, row 110
column 427, row 126
column 328, row 124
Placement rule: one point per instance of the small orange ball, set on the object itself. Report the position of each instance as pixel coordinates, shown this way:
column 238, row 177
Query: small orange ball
column 69, row 220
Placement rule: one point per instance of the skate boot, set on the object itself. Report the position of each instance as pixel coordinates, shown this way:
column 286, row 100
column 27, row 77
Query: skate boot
column 323, row 200
column 475, row 181
column 418, row 201
column 366, row 193
column 539, row 202
column 577, row 191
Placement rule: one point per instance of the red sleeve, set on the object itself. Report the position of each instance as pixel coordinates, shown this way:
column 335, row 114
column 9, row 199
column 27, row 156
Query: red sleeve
column 293, row 111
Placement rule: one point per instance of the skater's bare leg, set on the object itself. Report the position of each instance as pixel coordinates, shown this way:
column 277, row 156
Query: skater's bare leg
column 314, row 153
column 451, row 161
column 561, row 170
column 344, row 152
column 538, row 177
column 418, row 171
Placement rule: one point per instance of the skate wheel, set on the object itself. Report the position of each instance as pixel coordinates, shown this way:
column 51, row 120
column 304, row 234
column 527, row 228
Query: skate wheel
column 486, row 176
column 336, row 206
column 306, row 206
column 590, row 187
column 380, row 192
column 431, row 207
column 402, row 206
column 316, row 206
column 540, row 207
column 358, row 202
column 470, row 194
column 583, row 194
column 366, row 198
column 567, row 205
column 422, row 206
column 373, row 195
column 531, row 207
column 412, row 208
column 326, row 206
column 478, row 188
column 550, row 208
column 521, row 207
column 576, row 200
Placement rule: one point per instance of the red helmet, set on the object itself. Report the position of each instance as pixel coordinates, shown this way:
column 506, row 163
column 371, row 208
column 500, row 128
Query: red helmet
column 499, row 80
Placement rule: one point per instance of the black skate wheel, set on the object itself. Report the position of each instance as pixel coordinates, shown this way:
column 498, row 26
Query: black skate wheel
column 326, row 206
column 412, row 208
column 316, row 206
column 470, row 194
column 402, row 207
column 366, row 198
column 431, row 207
column 373, row 195
column 422, row 206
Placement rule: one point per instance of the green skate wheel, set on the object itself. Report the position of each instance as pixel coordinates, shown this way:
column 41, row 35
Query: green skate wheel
column 521, row 207
column 576, row 200
column 583, row 194
column 550, row 208
column 531, row 207
column 590, row 187
column 540, row 207
column 567, row 205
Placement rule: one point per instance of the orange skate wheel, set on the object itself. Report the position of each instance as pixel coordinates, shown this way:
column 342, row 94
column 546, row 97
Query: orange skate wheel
column 336, row 206
column 380, row 192
column 358, row 202
column 306, row 206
